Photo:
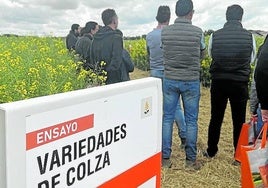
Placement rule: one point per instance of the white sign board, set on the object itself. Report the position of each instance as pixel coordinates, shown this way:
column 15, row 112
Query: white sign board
column 97, row 137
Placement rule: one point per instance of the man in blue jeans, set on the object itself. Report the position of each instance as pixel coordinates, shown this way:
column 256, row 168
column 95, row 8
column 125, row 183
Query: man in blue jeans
column 183, row 46
column 153, row 43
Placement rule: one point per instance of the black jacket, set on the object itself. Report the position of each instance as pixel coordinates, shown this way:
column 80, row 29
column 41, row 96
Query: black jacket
column 261, row 75
column 127, row 66
column 71, row 39
column 231, row 52
column 82, row 47
column 107, row 46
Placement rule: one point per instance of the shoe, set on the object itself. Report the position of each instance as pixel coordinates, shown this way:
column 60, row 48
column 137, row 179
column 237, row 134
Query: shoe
column 166, row 163
column 192, row 165
column 183, row 143
column 236, row 163
column 205, row 154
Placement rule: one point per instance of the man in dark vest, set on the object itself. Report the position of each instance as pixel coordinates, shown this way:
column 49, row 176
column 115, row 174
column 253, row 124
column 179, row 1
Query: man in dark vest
column 183, row 46
column 232, row 49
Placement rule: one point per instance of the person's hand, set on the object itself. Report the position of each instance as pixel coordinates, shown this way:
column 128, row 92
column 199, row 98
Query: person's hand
column 264, row 114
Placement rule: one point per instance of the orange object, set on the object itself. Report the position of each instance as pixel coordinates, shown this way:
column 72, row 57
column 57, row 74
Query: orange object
column 246, row 171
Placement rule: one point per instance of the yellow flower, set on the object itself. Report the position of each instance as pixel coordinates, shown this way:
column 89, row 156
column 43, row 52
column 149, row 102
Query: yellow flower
column 102, row 63
column 49, row 60
column 67, row 87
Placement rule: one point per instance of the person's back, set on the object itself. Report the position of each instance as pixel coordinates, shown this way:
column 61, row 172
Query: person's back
column 107, row 46
column 83, row 44
column 153, row 42
column 181, row 44
column 255, row 108
column 71, row 38
column 261, row 79
column 232, row 50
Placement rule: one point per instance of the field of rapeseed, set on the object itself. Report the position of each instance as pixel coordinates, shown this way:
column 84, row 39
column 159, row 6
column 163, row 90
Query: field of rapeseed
column 38, row 66
column 34, row 66
column 138, row 53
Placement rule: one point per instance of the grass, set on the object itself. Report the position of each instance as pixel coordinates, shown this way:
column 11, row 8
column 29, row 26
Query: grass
column 137, row 73
column 215, row 173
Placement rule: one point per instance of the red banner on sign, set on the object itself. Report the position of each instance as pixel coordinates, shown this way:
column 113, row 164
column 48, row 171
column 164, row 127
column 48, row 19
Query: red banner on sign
column 138, row 175
column 49, row 134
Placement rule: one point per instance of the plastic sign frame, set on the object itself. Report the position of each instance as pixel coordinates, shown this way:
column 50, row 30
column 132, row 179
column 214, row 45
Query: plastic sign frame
column 108, row 136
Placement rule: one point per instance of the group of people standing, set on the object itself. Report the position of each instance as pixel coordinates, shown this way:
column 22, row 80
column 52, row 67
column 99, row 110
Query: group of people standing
column 95, row 43
column 175, row 53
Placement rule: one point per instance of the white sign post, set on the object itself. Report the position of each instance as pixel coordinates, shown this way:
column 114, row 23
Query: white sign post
column 108, row 136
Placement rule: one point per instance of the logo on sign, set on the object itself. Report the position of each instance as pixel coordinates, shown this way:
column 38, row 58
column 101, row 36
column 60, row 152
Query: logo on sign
column 146, row 107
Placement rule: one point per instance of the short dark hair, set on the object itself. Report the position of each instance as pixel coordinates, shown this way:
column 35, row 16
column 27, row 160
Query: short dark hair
column 234, row 12
column 90, row 25
column 75, row 26
column 184, row 7
column 108, row 16
column 163, row 14
column 82, row 31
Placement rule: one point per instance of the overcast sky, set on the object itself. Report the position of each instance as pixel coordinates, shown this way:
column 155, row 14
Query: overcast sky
column 136, row 17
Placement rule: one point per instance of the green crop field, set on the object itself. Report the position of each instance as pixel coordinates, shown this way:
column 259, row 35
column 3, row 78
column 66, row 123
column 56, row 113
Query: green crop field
column 38, row 66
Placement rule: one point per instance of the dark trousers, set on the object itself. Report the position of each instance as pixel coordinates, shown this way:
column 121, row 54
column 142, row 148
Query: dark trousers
column 222, row 91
